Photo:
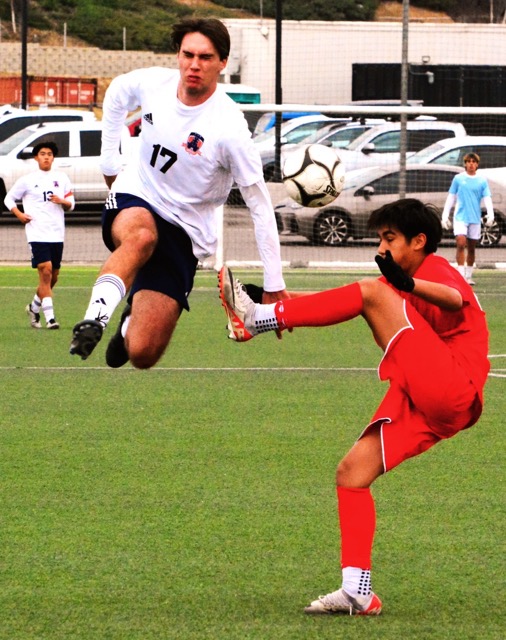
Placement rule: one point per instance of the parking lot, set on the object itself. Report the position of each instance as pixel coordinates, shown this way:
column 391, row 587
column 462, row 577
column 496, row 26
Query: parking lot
column 83, row 245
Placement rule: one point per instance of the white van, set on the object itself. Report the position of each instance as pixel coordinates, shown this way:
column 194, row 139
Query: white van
column 78, row 156
column 13, row 120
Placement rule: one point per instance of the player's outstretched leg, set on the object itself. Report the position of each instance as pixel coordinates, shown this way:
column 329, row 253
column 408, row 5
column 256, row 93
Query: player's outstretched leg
column 116, row 354
column 247, row 319
column 85, row 337
column 341, row 602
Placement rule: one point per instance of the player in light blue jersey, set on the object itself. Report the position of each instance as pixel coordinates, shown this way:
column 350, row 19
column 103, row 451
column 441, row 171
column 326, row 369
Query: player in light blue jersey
column 466, row 193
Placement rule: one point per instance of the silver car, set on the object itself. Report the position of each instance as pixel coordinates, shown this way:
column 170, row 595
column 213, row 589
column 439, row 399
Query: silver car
column 367, row 189
column 338, row 135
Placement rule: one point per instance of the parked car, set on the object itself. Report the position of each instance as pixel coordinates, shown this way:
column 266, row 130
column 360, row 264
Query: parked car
column 337, row 135
column 367, row 189
column 293, row 131
column 491, row 149
column 78, row 156
column 381, row 144
column 13, row 120
column 268, row 119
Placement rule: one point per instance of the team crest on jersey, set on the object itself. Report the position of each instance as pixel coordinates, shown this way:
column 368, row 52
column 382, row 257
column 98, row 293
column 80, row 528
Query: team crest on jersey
column 55, row 183
column 193, row 144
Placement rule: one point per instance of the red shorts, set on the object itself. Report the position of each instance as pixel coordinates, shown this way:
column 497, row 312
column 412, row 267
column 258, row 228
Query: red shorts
column 430, row 396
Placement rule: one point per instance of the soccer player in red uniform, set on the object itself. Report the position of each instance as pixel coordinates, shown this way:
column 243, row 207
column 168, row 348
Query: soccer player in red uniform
column 434, row 337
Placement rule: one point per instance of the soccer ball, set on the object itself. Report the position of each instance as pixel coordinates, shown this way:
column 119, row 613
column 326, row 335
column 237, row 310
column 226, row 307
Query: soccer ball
column 313, row 175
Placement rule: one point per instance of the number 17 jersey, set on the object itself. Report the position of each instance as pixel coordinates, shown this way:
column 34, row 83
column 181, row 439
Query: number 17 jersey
column 188, row 157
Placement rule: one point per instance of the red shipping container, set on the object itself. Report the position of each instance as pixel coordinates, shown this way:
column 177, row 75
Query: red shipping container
column 69, row 92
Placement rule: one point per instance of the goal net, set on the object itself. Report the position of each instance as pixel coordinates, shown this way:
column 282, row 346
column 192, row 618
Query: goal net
column 336, row 236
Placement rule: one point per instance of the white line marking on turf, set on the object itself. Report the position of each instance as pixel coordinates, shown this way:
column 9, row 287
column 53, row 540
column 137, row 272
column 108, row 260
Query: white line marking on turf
column 233, row 369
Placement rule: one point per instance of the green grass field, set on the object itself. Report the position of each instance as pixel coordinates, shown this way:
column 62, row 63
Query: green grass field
column 196, row 500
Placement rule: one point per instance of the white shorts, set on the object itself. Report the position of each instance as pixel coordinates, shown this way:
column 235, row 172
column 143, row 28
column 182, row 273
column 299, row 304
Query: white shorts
column 471, row 231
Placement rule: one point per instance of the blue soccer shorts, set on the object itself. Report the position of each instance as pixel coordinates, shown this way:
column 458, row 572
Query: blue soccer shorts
column 47, row 252
column 171, row 269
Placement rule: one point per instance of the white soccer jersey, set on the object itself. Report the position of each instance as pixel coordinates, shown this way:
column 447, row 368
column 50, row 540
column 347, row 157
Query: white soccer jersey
column 34, row 190
column 188, row 160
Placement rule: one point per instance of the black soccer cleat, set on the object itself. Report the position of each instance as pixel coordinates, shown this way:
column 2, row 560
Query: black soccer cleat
column 254, row 291
column 86, row 336
column 116, row 354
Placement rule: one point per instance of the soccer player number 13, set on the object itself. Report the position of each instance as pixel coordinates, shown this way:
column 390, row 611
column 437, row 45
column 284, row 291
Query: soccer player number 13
column 158, row 150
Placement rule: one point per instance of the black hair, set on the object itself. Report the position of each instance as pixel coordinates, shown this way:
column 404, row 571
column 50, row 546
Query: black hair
column 45, row 145
column 212, row 28
column 410, row 217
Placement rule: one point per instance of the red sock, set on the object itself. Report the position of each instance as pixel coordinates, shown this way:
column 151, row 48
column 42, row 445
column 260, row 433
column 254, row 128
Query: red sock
column 320, row 309
column 357, row 519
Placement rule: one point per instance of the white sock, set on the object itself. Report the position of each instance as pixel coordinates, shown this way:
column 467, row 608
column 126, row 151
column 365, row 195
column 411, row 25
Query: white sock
column 124, row 326
column 356, row 581
column 469, row 272
column 462, row 270
column 47, row 308
column 36, row 304
column 106, row 295
column 265, row 318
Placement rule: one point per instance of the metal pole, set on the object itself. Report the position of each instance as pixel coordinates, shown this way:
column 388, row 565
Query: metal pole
column 404, row 99
column 278, row 91
column 24, row 56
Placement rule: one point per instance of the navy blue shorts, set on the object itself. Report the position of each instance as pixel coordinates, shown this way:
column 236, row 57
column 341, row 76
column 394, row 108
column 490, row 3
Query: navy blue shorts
column 171, row 269
column 46, row 252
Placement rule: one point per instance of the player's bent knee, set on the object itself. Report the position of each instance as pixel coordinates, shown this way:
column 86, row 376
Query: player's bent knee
column 146, row 356
column 141, row 240
column 144, row 239
column 373, row 289
column 343, row 473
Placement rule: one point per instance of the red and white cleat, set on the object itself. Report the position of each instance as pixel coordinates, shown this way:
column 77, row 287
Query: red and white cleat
column 341, row 602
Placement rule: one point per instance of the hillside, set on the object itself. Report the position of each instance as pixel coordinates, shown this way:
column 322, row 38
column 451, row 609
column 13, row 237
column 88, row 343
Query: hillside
column 106, row 24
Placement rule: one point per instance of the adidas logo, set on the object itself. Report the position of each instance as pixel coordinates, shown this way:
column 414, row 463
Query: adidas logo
column 148, row 117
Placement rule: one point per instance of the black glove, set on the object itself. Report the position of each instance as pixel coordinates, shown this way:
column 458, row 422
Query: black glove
column 254, row 292
column 394, row 274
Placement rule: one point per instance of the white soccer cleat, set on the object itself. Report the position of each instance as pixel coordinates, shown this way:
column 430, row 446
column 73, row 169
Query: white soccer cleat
column 341, row 602
column 34, row 317
column 239, row 307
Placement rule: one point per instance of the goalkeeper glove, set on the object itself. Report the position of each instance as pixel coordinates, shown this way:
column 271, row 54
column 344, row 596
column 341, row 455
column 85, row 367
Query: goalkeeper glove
column 489, row 220
column 445, row 223
column 394, row 274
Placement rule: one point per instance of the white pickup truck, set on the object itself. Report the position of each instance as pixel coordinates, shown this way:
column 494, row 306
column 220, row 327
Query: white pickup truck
column 78, row 156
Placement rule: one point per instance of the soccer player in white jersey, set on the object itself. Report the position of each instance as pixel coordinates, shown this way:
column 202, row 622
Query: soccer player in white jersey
column 467, row 191
column 46, row 195
column 159, row 219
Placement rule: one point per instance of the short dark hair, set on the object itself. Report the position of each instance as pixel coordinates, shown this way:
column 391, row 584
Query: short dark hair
column 410, row 217
column 45, row 145
column 212, row 28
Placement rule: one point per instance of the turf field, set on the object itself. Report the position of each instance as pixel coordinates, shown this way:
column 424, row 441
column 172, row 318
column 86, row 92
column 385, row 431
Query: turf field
column 196, row 501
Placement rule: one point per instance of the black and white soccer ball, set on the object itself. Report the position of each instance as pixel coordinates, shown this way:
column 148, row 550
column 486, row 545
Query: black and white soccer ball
column 313, row 175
